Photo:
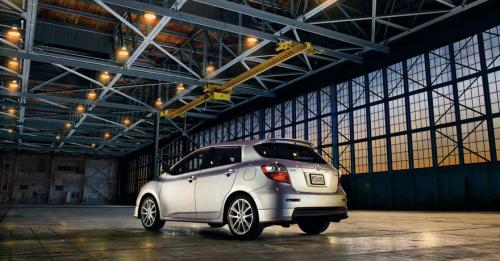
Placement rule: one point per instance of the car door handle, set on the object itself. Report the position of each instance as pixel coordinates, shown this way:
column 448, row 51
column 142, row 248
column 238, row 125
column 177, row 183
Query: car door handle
column 190, row 179
column 230, row 172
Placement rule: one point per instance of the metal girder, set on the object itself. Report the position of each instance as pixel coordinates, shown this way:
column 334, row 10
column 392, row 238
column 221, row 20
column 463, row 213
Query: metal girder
column 54, row 79
column 75, row 101
column 243, row 9
column 354, row 19
column 13, row 6
column 101, row 65
column 76, row 139
column 29, row 37
column 447, row 3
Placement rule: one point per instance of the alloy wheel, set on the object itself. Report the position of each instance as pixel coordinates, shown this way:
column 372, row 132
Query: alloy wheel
column 240, row 216
column 148, row 212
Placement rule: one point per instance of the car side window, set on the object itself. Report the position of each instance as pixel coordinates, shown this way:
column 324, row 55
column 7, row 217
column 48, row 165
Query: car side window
column 223, row 156
column 191, row 163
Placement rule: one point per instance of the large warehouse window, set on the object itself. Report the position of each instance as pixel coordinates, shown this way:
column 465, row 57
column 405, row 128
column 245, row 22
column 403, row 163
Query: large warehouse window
column 396, row 112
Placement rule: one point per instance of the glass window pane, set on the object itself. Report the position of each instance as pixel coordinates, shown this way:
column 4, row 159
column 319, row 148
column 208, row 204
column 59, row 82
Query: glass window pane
column 358, row 91
column 395, row 82
column 399, row 147
column 416, row 73
column 444, row 109
column 359, row 121
column 471, row 98
column 344, row 127
column 312, row 128
column 345, row 159
column 379, row 155
column 299, row 108
column 376, row 86
column 361, row 154
column 496, row 127
column 439, row 62
column 377, row 119
column 492, row 47
column 446, row 146
column 326, row 130
column 312, row 105
column 397, row 115
column 466, row 56
column 494, row 83
column 342, row 96
column 326, row 100
column 419, row 110
column 422, row 149
column 475, row 142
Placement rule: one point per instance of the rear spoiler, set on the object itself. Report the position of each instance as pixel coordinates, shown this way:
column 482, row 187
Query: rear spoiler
column 287, row 141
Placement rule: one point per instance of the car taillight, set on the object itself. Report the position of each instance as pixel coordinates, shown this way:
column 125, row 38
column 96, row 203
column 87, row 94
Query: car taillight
column 276, row 172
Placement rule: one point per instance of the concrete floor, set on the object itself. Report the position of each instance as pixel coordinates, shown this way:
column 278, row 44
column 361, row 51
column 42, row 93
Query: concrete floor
column 99, row 233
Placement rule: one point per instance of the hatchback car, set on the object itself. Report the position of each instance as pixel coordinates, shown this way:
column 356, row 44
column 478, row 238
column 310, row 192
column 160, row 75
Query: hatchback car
column 247, row 185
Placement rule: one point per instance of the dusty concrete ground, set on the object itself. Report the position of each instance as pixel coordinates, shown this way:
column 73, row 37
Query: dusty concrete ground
column 110, row 233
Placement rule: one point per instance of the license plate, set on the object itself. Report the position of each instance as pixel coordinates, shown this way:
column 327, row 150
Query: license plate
column 317, row 179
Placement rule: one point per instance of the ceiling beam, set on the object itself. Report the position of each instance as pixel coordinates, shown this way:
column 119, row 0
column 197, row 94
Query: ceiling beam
column 247, row 10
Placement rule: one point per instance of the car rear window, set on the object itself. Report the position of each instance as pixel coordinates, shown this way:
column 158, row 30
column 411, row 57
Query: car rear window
column 288, row 151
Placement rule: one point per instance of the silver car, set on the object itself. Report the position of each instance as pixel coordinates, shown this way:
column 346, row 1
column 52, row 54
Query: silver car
column 248, row 185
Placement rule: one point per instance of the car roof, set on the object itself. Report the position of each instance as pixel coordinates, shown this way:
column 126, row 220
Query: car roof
column 254, row 142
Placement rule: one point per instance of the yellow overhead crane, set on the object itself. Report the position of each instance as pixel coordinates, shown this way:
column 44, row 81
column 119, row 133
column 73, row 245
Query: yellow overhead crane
column 223, row 92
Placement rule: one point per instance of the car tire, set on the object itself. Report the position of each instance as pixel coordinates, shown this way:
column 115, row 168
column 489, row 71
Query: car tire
column 150, row 214
column 314, row 226
column 243, row 218
column 215, row 225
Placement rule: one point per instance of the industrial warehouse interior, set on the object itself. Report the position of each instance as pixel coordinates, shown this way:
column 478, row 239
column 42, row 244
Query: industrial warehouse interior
column 249, row 129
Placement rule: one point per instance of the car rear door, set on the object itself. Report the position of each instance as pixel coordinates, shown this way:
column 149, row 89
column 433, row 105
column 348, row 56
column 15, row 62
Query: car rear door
column 177, row 192
column 215, row 180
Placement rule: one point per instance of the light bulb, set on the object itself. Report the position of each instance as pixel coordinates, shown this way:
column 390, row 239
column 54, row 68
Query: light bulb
column 180, row 88
column 251, row 40
column 11, row 110
column 123, row 53
column 13, row 35
column 105, row 75
column 92, row 95
column 13, row 86
column 150, row 16
column 80, row 108
column 158, row 103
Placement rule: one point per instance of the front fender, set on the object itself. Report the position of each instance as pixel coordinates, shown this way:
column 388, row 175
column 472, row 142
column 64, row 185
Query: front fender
column 151, row 188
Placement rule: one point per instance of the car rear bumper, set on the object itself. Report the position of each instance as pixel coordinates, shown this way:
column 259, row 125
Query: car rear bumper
column 333, row 213
column 292, row 215
column 275, row 207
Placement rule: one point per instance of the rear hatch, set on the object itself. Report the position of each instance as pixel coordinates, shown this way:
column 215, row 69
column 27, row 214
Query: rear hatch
column 307, row 170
